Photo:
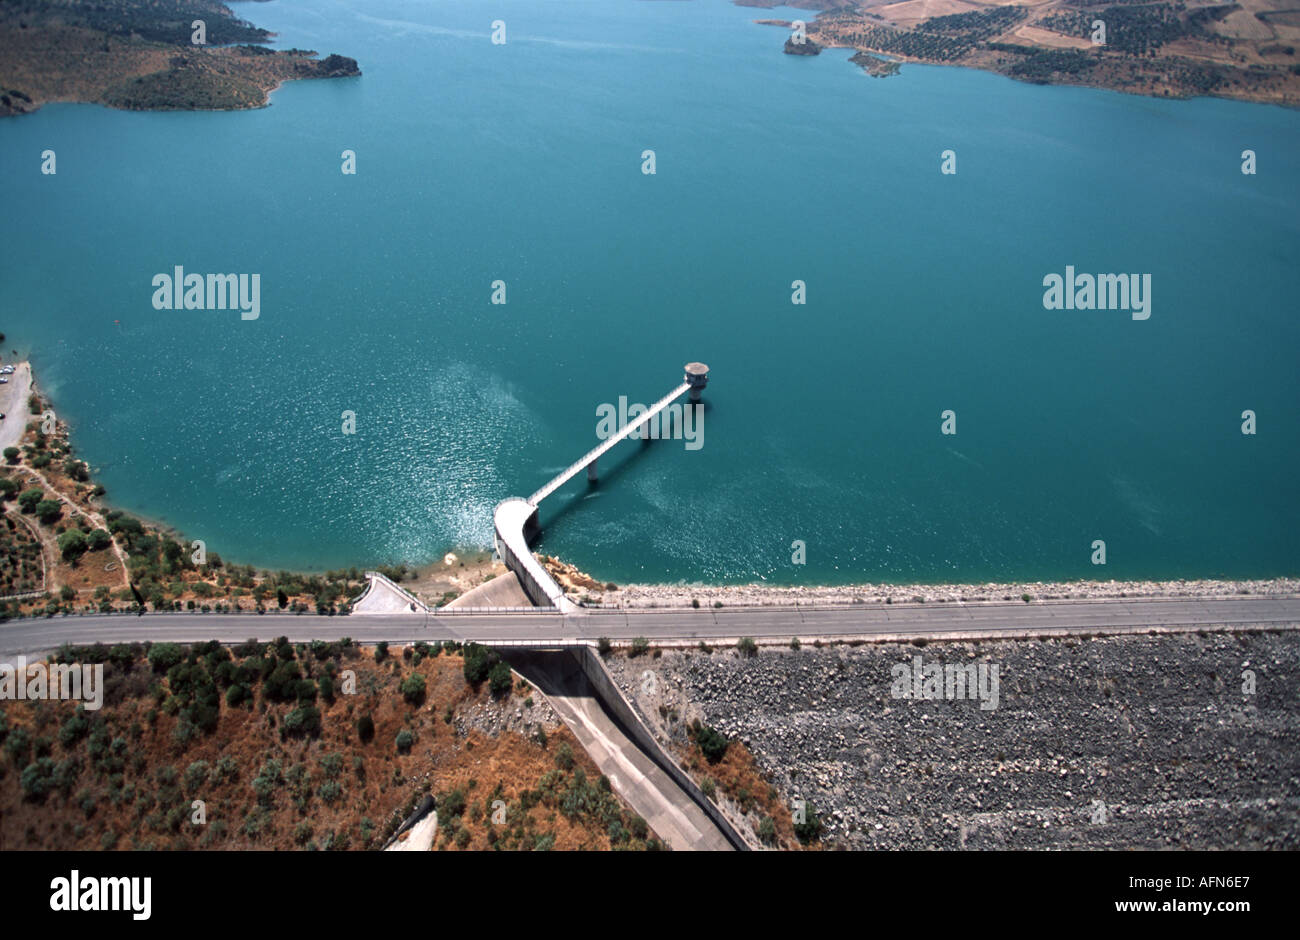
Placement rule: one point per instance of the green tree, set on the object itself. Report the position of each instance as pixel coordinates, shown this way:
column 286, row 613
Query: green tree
column 366, row 728
column 303, row 720
column 162, row 656
column 12, row 454
column 76, row 469
column 72, row 544
column 500, row 680
column 479, row 661
column 98, row 539
column 713, row 744
column 30, row 499
column 412, row 688
column 405, row 740
column 48, row 510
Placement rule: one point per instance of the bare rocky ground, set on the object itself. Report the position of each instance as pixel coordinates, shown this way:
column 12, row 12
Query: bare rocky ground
column 1127, row 742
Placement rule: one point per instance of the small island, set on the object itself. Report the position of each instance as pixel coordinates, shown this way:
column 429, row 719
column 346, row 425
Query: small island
column 807, row 47
column 143, row 57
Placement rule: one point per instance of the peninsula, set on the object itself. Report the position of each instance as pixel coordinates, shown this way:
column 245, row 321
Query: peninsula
column 1244, row 50
column 144, row 57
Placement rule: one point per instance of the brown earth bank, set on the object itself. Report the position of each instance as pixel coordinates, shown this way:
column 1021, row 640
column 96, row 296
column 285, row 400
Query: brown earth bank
column 140, row 56
column 1243, row 50
column 322, row 745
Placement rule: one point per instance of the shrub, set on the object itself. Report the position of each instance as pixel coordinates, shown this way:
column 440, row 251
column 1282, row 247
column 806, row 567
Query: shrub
column 48, row 510
column 500, row 680
column 413, row 689
column 366, row 728
column 811, row 828
column 479, row 661
column 748, row 648
column 162, row 656
column 266, row 781
column 603, row 646
column 640, row 645
column 72, row 544
column 405, row 740
column 713, row 744
column 305, row 719
column 37, row 779
column 195, row 775
column 75, row 728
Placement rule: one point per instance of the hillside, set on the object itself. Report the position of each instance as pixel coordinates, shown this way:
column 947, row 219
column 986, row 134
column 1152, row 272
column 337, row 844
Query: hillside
column 283, row 756
column 140, row 55
column 1170, row 49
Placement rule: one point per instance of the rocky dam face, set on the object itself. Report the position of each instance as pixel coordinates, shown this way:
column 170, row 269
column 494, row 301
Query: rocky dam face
column 1154, row 741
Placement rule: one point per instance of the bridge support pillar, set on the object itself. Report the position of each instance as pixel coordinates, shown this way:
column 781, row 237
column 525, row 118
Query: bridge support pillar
column 591, row 472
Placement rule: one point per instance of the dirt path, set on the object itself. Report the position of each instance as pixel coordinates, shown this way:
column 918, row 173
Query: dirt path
column 96, row 520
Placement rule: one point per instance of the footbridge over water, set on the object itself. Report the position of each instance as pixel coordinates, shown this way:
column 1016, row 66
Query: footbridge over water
column 515, row 519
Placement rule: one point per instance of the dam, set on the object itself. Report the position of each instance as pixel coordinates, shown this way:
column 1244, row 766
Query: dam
column 515, row 519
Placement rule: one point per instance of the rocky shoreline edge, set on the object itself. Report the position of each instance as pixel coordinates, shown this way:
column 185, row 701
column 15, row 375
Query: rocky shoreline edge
column 631, row 596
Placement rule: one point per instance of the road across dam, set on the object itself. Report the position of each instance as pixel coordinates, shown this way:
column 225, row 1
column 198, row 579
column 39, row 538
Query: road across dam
column 550, row 629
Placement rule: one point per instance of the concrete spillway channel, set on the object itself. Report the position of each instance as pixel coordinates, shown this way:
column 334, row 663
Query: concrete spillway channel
column 623, row 749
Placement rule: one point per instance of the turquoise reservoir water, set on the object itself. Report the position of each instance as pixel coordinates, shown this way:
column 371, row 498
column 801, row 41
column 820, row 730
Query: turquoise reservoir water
column 522, row 163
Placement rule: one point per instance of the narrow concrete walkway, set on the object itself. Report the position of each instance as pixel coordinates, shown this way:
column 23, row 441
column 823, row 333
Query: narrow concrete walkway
column 653, row 794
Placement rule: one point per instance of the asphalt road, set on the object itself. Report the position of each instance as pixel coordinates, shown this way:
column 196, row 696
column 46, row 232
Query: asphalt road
column 31, row 637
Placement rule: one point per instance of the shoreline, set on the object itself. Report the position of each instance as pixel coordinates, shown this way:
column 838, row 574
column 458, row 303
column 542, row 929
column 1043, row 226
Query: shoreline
column 1187, row 66
column 640, row 596
column 435, row 580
